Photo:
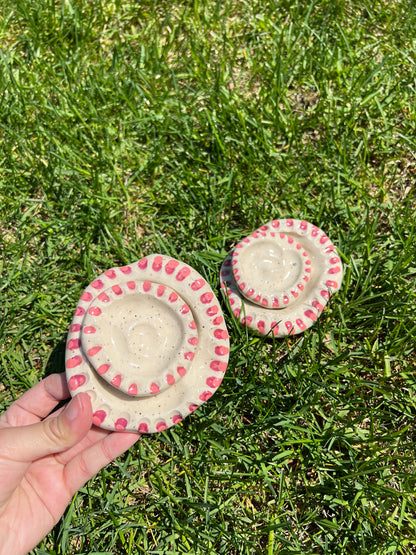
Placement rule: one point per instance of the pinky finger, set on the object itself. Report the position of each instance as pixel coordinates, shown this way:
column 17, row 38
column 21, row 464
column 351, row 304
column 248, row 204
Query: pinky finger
column 86, row 464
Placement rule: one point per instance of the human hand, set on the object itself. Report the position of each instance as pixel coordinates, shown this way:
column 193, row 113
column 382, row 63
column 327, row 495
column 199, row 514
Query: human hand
column 45, row 459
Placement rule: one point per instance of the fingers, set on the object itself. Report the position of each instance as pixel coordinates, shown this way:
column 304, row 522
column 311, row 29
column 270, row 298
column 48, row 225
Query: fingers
column 86, row 464
column 52, row 435
column 38, row 402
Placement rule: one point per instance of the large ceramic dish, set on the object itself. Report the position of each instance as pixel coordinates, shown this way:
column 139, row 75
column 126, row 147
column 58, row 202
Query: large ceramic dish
column 279, row 278
column 148, row 343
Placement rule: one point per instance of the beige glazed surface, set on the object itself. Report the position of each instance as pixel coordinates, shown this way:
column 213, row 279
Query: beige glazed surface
column 148, row 343
column 279, row 279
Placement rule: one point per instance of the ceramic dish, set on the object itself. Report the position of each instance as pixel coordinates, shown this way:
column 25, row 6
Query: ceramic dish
column 148, row 343
column 279, row 278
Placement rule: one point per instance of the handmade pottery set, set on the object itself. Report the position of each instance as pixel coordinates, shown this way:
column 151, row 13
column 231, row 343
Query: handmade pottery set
column 148, row 341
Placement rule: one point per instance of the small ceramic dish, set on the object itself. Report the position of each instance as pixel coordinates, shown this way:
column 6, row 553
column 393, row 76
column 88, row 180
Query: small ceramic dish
column 148, row 343
column 279, row 278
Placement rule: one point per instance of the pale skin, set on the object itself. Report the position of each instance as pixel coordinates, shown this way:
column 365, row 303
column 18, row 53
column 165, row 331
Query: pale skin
column 45, row 458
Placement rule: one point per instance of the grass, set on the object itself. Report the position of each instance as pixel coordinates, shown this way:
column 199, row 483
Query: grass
column 128, row 128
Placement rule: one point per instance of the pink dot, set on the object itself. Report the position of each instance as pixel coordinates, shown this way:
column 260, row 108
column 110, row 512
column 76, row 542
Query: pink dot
column 73, row 344
column 86, row 296
column 261, row 326
column 285, row 299
column 132, row 390
column 207, row 298
column 250, row 292
column 94, row 350
column 318, row 306
column 157, row 263
column 117, row 289
column 120, row 424
column 103, row 368
column 213, row 382
column 300, row 324
column 192, row 325
column 94, row 311
column 160, row 290
column 332, row 284
column 275, row 223
column 315, row 231
column 275, row 328
column 334, row 270
column 323, row 239
column 205, row 396
column 218, row 366
column 247, row 320
column 146, row 286
column 125, row 269
column 325, row 294
column 289, row 327
column 177, row 418
column 154, row 388
column 189, row 356
column 170, row 266
column 221, row 334
column 79, row 311
column 131, row 285
column 236, row 312
column 183, row 273
column 73, row 362
column 143, row 428
column 290, row 240
column 334, row 260
column 289, row 222
column 221, row 351
column 193, row 341
column 97, row 284
column 218, row 320
column 103, row 297
column 110, row 273
column 310, row 314
column 212, row 310
column 265, row 302
column 116, row 381
column 303, row 225
column 181, row 371
column 197, row 284
column 329, row 248
column 75, row 327
column 192, row 408
column 76, row 381
column 89, row 329
column 241, row 285
column 275, row 302
column 98, row 417
column 170, row 379
column 142, row 264
column 173, row 297
column 184, row 309
column 300, row 286
column 160, row 426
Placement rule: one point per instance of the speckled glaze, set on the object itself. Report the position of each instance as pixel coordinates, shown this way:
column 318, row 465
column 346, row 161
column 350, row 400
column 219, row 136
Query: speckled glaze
column 148, row 343
column 279, row 278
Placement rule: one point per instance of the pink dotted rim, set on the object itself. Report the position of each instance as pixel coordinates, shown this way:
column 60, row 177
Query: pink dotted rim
column 324, row 280
column 137, row 382
column 114, row 410
column 280, row 298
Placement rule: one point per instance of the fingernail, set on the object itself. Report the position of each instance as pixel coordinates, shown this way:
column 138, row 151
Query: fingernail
column 72, row 409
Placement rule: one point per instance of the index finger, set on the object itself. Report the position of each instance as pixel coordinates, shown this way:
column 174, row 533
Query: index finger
column 37, row 402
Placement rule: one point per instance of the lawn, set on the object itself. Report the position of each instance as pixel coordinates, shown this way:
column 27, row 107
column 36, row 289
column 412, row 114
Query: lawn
column 129, row 128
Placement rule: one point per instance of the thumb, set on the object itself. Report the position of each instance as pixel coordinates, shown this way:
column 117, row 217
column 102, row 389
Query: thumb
column 52, row 435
